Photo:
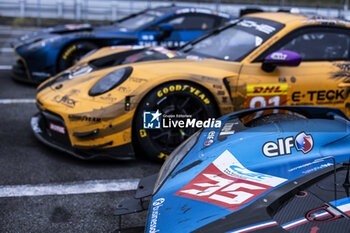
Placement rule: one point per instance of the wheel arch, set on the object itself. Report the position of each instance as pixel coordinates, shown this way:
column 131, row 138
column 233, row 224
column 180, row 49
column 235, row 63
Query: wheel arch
column 69, row 43
column 216, row 104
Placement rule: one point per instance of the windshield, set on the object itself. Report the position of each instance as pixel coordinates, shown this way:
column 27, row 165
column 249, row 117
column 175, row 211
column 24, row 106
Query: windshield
column 140, row 20
column 235, row 42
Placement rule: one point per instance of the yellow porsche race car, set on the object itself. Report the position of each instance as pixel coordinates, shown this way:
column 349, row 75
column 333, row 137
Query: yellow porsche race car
column 116, row 101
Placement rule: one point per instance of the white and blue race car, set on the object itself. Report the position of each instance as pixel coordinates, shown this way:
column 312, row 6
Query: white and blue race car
column 286, row 171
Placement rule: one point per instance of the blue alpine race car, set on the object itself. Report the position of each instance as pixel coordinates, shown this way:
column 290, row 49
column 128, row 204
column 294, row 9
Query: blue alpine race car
column 44, row 53
column 279, row 172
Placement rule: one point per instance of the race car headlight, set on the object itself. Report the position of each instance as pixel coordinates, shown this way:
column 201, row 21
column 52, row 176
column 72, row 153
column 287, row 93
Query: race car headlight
column 110, row 81
column 42, row 42
column 36, row 44
column 175, row 158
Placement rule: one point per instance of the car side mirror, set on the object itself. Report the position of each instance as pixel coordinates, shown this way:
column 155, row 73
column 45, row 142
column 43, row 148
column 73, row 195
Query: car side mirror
column 280, row 58
column 166, row 29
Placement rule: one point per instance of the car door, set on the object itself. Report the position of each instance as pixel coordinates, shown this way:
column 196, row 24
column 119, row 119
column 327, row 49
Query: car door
column 321, row 79
column 186, row 28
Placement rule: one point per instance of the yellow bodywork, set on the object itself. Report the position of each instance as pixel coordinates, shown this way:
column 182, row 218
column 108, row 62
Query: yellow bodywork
column 311, row 83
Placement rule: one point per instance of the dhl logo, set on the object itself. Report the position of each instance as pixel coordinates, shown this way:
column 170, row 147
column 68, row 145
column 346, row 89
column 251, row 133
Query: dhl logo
column 267, row 89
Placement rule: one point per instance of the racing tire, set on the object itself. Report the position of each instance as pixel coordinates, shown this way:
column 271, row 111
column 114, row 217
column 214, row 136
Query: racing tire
column 73, row 53
column 173, row 98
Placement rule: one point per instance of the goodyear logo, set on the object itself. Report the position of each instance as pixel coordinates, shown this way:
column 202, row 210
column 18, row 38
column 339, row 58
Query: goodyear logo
column 69, row 51
column 267, row 89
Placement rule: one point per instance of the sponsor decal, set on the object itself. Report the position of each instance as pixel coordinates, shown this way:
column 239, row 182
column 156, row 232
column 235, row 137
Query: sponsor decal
column 267, row 89
column 179, row 88
column 69, row 51
column 210, row 138
column 65, row 100
column 147, row 43
column 208, row 142
column 216, row 86
column 302, row 142
column 227, row 129
column 158, row 202
column 154, row 214
column 279, row 56
column 143, row 133
column 124, row 89
column 109, row 98
column 84, row 118
column 265, row 95
column 321, row 96
column 267, row 29
column 227, row 183
column 57, row 128
column 137, row 80
column 310, row 164
column 282, row 79
column 208, row 79
column 322, row 166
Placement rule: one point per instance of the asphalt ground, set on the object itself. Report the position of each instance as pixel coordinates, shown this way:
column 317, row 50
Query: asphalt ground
column 36, row 181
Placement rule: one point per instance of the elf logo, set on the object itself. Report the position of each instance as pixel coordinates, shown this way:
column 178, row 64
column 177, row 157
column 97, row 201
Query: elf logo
column 302, row 142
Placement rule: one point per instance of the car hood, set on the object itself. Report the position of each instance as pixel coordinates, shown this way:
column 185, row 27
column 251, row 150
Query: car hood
column 144, row 77
column 74, row 30
column 214, row 181
column 145, row 74
column 44, row 33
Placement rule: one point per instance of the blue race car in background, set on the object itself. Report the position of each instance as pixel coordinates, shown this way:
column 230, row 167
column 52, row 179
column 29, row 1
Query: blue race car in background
column 44, row 53
column 281, row 172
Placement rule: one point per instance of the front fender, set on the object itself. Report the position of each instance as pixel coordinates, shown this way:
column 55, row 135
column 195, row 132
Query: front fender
column 215, row 86
column 42, row 59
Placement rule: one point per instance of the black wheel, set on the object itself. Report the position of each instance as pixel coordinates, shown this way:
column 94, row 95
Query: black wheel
column 174, row 98
column 72, row 54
